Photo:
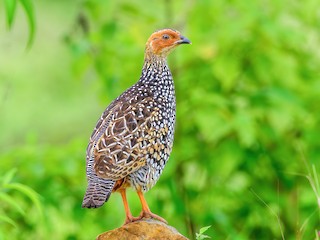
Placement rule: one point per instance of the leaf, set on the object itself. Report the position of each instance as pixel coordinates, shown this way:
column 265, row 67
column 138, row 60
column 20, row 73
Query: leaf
column 11, row 202
column 227, row 70
column 30, row 193
column 8, row 220
column 10, row 6
column 9, row 176
column 200, row 235
column 244, row 125
column 28, row 7
column 204, row 229
column 316, row 180
column 204, row 236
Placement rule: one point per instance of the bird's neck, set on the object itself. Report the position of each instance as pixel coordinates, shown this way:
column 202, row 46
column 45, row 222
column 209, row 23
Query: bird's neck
column 157, row 78
column 154, row 59
column 154, row 71
column 154, row 66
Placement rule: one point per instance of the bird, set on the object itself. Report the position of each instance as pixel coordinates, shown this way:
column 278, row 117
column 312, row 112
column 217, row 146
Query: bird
column 133, row 138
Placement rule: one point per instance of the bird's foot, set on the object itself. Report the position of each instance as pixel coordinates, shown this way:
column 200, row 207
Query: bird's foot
column 145, row 214
column 130, row 219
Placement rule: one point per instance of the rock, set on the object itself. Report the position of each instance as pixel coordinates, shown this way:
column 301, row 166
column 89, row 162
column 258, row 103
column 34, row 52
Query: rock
column 143, row 230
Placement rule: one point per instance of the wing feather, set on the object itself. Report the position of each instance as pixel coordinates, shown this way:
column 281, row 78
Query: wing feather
column 120, row 145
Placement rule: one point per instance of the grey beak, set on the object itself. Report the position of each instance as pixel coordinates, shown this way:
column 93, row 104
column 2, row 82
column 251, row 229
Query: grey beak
column 183, row 40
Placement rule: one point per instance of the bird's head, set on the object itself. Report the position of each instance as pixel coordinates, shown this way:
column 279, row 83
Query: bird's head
column 162, row 42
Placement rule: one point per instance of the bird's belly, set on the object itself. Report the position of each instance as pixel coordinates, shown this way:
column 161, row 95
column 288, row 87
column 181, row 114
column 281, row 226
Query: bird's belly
column 144, row 178
column 157, row 151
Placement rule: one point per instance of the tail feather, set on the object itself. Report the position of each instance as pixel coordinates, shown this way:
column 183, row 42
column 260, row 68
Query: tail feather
column 98, row 192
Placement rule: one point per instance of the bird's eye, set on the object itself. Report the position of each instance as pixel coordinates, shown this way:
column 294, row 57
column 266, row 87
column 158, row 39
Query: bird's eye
column 165, row 36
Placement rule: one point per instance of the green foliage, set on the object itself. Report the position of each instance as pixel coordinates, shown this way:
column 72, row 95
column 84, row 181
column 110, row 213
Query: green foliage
column 27, row 5
column 201, row 235
column 13, row 197
column 246, row 151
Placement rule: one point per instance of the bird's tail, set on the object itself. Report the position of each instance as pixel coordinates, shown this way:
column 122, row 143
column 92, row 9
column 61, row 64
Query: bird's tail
column 98, row 192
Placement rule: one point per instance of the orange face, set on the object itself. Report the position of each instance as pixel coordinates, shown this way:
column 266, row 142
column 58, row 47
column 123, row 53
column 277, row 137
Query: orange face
column 163, row 41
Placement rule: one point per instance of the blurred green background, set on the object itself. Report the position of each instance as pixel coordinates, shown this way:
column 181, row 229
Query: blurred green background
column 246, row 153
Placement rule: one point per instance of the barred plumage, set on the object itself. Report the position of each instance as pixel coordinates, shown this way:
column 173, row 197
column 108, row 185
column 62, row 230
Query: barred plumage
column 133, row 138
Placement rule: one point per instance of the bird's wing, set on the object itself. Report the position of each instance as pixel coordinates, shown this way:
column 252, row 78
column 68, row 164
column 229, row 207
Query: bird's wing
column 125, row 138
column 101, row 125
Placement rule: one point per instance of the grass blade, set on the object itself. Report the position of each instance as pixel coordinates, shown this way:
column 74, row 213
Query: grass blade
column 30, row 193
column 271, row 211
column 28, row 7
column 316, row 179
column 8, row 177
column 8, row 220
column 10, row 6
column 11, row 202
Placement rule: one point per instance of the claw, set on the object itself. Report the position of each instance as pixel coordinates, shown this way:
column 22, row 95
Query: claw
column 130, row 219
column 149, row 214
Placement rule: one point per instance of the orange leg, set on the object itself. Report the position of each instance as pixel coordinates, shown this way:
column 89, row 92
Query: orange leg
column 129, row 217
column 146, row 213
